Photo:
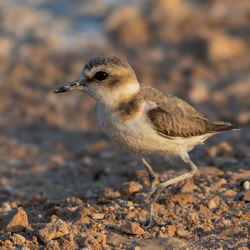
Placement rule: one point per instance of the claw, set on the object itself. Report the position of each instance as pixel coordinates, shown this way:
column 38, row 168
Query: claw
column 152, row 222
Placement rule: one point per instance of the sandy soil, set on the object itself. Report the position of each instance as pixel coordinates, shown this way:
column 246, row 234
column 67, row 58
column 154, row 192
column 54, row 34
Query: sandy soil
column 63, row 184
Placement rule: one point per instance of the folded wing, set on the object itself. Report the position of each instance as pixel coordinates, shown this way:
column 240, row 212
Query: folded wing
column 174, row 117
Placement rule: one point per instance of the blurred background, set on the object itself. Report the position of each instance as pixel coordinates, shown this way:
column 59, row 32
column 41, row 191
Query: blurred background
column 198, row 50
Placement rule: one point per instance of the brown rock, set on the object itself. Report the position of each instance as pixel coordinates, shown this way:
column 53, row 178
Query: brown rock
column 161, row 244
column 18, row 240
column 101, row 239
column 109, row 193
column 171, row 230
column 131, row 187
column 115, row 239
column 219, row 183
column 98, row 216
column 182, row 232
column 52, row 245
column 231, row 231
column 230, row 192
column 132, row 228
column 188, row 187
column 183, row 199
column 55, row 229
column 193, row 218
column 91, row 243
column 224, row 47
column 83, row 220
column 16, row 221
column 212, row 204
column 246, row 197
column 209, row 171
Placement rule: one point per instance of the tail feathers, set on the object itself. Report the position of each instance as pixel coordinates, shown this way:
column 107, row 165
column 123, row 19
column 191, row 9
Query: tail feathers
column 223, row 126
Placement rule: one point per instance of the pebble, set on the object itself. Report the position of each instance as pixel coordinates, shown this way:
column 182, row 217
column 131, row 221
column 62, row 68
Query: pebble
column 101, row 239
column 246, row 185
column 219, row 183
column 224, row 47
column 98, row 216
column 132, row 228
column 18, row 240
column 188, row 187
column 230, row 192
column 131, row 187
column 92, row 243
column 171, row 229
column 55, row 229
column 182, row 233
column 211, row 204
column 246, row 197
column 109, row 193
column 16, row 221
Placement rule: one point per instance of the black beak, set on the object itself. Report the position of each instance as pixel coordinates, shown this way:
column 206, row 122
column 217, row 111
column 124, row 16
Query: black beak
column 70, row 86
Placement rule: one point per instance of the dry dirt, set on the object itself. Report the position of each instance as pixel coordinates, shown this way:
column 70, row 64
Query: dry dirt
column 63, row 184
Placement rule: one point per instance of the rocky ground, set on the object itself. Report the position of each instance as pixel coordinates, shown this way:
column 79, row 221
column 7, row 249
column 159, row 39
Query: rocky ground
column 63, row 184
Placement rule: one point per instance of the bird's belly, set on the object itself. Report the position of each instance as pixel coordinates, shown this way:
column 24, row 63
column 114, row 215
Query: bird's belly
column 135, row 136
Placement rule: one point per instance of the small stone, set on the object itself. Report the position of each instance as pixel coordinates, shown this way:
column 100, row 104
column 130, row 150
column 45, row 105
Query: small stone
column 211, row 204
column 224, row 149
column 98, row 216
column 131, row 187
column 55, row 229
column 188, row 187
column 231, row 231
column 18, row 240
column 193, row 218
column 132, row 228
column 52, row 245
column 209, row 171
column 219, row 183
column 101, row 239
column 109, row 193
column 171, row 230
column 83, row 220
column 181, row 232
column 246, row 197
column 16, row 221
column 224, row 47
column 37, row 199
column 246, row 185
column 230, row 192
column 91, row 243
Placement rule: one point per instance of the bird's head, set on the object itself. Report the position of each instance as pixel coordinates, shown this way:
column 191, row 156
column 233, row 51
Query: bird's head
column 107, row 79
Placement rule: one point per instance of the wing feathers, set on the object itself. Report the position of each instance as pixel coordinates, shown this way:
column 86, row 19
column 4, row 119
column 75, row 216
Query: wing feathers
column 175, row 118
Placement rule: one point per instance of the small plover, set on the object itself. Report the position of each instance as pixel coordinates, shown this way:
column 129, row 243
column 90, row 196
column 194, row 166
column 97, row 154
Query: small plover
column 142, row 119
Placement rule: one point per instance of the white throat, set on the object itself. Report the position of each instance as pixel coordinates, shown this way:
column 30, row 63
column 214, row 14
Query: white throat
column 120, row 93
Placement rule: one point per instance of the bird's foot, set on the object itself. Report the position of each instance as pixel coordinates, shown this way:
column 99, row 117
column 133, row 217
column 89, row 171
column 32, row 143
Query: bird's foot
column 152, row 223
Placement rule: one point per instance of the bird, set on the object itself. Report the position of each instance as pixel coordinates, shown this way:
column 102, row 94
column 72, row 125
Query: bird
column 143, row 120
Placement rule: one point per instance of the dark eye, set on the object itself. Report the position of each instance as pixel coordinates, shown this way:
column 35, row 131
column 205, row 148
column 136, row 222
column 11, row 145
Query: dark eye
column 100, row 75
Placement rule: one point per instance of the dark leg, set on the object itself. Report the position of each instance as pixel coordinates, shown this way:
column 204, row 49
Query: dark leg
column 151, row 176
column 156, row 191
column 151, row 173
